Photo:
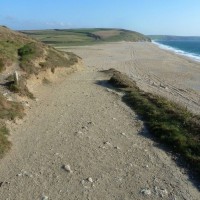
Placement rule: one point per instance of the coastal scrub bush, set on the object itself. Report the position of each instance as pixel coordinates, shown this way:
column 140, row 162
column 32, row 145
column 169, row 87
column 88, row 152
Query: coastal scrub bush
column 28, row 54
column 26, row 50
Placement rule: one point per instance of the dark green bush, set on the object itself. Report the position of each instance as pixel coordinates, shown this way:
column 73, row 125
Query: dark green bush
column 26, row 50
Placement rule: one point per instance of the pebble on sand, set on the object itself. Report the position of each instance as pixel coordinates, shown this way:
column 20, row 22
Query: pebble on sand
column 90, row 180
column 146, row 191
column 45, row 197
column 161, row 192
column 107, row 143
column 67, row 168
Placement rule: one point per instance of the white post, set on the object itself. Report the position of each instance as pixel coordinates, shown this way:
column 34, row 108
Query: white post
column 16, row 78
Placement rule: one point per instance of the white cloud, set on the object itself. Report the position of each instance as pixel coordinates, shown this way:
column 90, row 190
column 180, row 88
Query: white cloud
column 18, row 24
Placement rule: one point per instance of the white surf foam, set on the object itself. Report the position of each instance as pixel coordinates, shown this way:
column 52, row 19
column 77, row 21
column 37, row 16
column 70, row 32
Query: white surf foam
column 178, row 51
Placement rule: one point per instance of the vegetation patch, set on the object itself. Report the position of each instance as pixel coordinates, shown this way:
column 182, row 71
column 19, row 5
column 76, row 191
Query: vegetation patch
column 28, row 54
column 4, row 143
column 20, row 88
column 2, row 66
column 8, row 111
column 56, row 59
column 170, row 123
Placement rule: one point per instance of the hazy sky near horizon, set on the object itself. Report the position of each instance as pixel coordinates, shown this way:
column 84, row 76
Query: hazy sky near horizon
column 174, row 17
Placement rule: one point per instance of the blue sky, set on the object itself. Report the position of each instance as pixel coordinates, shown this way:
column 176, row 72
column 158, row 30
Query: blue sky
column 174, row 17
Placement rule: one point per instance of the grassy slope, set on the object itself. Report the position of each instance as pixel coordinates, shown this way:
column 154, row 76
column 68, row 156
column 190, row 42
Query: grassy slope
column 67, row 37
column 18, row 48
column 32, row 57
column 167, row 121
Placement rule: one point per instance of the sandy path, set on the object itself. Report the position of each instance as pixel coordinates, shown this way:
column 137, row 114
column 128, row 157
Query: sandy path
column 86, row 126
column 155, row 70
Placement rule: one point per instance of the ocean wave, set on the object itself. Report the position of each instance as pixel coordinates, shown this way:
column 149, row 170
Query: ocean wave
column 178, row 51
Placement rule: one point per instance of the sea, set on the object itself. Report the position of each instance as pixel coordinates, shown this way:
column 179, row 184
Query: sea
column 186, row 47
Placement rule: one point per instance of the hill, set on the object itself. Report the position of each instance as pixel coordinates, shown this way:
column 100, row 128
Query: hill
column 22, row 57
column 72, row 37
column 17, row 47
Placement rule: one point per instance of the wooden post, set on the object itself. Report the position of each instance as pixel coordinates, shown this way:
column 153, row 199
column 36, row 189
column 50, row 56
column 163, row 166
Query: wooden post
column 16, row 78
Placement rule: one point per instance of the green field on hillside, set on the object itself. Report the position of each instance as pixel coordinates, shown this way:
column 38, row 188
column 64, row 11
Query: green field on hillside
column 74, row 37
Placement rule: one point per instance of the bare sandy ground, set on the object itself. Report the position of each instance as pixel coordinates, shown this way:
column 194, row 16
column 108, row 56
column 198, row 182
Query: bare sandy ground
column 80, row 142
column 155, row 70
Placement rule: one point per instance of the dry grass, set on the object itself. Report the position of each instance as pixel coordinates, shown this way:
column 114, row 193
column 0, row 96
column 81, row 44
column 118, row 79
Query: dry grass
column 4, row 143
column 58, row 59
column 2, row 65
column 8, row 111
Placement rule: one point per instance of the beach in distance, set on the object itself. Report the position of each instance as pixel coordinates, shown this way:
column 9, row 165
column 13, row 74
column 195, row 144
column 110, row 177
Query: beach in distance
column 154, row 69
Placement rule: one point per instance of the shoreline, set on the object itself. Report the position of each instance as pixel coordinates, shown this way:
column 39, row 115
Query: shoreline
column 192, row 56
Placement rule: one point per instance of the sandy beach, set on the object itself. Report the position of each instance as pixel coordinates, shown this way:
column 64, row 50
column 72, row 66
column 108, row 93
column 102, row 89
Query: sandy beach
column 154, row 70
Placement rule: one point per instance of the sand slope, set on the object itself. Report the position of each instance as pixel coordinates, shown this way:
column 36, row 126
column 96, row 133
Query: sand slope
column 79, row 141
